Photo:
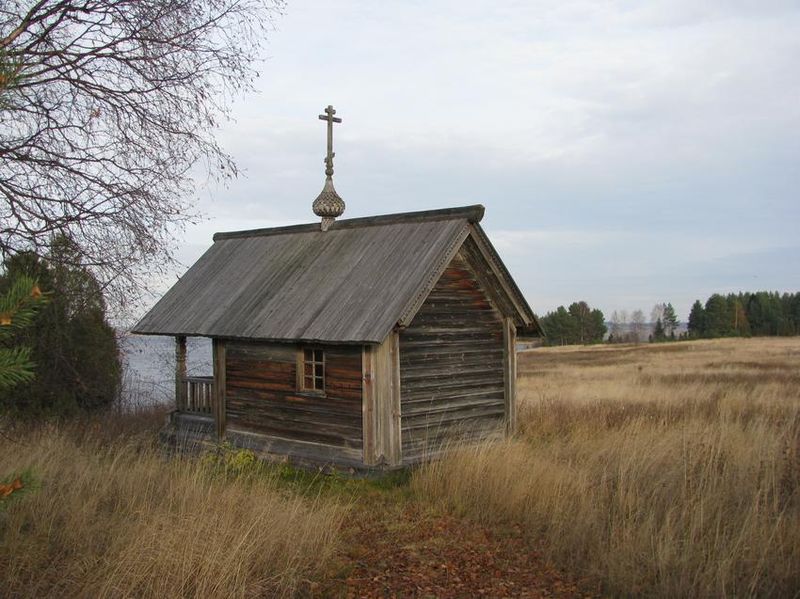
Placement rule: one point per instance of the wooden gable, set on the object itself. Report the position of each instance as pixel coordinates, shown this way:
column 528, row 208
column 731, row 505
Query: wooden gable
column 452, row 362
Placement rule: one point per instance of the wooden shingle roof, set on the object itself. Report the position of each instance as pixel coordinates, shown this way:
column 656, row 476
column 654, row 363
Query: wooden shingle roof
column 350, row 284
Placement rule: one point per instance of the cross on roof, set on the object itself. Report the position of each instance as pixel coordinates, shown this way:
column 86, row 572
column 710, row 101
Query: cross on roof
column 328, row 116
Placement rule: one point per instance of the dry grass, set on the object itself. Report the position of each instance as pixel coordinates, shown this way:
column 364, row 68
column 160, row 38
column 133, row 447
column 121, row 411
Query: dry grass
column 116, row 519
column 670, row 470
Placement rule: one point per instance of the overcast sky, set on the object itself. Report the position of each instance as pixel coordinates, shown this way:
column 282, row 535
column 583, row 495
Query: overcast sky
column 627, row 153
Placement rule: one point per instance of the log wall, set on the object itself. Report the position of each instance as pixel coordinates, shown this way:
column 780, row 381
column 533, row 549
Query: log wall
column 453, row 375
column 261, row 395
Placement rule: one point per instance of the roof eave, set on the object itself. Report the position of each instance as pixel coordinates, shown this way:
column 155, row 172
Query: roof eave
column 293, row 340
column 472, row 214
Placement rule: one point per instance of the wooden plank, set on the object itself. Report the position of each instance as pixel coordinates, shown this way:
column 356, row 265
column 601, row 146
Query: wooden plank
column 300, row 403
column 382, row 403
column 316, row 414
column 469, row 351
column 220, row 379
column 461, row 417
column 445, row 361
column 440, row 384
column 456, row 430
column 301, row 431
column 313, row 418
column 180, row 373
column 414, row 408
column 388, row 399
column 273, row 352
column 432, row 446
column 369, row 425
column 319, row 453
column 510, row 375
column 299, row 357
column 394, row 446
column 477, row 371
column 452, row 342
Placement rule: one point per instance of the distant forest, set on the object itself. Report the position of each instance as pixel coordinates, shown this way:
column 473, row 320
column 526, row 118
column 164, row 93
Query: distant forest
column 580, row 323
column 763, row 313
column 744, row 314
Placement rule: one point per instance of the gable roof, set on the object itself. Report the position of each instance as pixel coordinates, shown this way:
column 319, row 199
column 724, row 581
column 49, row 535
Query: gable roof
column 350, row 284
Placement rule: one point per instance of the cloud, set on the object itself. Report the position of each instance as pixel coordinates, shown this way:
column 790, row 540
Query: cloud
column 627, row 153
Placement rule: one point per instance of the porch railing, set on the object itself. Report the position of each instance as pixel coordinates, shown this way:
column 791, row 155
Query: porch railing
column 197, row 394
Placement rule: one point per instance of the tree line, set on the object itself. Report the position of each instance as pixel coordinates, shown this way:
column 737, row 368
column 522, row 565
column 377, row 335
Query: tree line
column 743, row 314
column 578, row 324
column 582, row 324
column 760, row 313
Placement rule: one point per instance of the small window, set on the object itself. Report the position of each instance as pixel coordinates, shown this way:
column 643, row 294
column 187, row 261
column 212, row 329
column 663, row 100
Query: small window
column 313, row 370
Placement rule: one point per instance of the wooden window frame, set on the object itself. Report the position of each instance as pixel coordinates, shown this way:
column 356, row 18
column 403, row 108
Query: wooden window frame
column 317, row 381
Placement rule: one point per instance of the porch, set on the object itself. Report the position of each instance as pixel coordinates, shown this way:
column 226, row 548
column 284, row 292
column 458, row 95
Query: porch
column 195, row 395
column 200, row 397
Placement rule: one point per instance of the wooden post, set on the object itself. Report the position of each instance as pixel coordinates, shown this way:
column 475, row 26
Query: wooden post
column 218, row 351
column 381, row 408
column 180, row 373
column 510, row 374
column 369, row 422
column 394, row 453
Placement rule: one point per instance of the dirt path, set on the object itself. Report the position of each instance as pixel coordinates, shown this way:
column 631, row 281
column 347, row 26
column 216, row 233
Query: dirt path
column 397, row 550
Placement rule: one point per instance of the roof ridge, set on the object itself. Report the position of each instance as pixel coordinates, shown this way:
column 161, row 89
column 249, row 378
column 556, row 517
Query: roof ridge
column 472, row 214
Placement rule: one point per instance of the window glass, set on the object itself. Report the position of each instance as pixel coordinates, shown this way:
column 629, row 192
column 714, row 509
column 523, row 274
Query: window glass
column 313, row 370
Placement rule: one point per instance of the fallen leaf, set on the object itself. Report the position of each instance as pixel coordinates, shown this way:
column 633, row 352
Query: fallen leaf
column 8, row 489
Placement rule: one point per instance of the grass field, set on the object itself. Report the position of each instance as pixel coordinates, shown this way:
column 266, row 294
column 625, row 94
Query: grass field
column 665, row 470
column 117, row 519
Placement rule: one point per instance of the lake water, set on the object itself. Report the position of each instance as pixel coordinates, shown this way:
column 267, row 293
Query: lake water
column 149, row 366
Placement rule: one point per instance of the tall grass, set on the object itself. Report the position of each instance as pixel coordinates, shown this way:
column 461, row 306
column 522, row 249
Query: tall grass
column 667, row 471
column 119, row 520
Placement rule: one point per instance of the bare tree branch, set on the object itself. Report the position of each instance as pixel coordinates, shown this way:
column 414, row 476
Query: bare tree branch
column 105, row 106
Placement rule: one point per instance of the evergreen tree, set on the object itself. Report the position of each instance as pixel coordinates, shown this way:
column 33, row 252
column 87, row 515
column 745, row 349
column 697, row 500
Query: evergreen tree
column 697, row 320
column 756, row 314
column 658, row 332
column 71, row 341
column 578, row 324
column 794, row 313
column 18, row 306
column 762, row 313
column 598, row 326
column 719, row 321
column 560, row 327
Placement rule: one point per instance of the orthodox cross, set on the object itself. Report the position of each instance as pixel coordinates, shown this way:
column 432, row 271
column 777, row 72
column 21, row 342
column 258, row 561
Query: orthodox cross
column 328, row 116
